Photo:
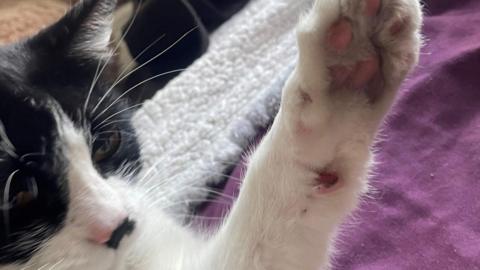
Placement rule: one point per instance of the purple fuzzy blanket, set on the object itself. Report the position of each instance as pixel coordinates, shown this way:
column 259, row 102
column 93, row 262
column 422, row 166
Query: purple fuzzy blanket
column 426, row 212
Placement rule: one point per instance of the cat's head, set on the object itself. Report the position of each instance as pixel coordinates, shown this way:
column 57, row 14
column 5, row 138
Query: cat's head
column 67, row 147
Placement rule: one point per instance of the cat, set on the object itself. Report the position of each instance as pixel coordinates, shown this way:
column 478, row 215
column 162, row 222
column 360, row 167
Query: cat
column 69, row 157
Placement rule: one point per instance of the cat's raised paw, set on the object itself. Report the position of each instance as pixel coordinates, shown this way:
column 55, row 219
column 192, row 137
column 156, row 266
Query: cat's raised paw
column 353, row 56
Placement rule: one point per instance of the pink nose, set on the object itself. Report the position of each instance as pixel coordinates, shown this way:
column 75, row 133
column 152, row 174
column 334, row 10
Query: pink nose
column 102, row 230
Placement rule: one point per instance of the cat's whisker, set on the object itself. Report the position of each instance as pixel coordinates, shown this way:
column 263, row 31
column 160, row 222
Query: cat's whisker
column 141, row 66
column 6, row 203
column 192, row 146
column 23, row 157
column 161, row 182
column 134, row 87
column 134, row 60
column 225, row 162
column 128, row 170
column 115, row 114
column 56, row 264
column 166, row 196
column 164, row 180
column 34, row 230
column 109, row 58
column 219, row 194
column 149, row 171
column 90, row 91
column 115, row 131
column 43, row 266
column 51, row 266
column 187, row 202
column 161, row 178
column 139, row 104
column 238, row 179
column 160, row 189
column 164, row 192
column 210, row 173
column 196, row 217
column 113, row 122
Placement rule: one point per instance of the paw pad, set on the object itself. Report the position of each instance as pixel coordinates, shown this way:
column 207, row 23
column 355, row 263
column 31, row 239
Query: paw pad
column 364, row 72
column 340, row 35
column 372, row 7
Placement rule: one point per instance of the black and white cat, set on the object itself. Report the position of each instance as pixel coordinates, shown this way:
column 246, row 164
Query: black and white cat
column 69, row 156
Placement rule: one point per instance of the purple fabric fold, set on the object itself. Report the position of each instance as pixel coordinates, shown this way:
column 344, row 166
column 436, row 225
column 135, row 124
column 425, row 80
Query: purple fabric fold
column 425, row 213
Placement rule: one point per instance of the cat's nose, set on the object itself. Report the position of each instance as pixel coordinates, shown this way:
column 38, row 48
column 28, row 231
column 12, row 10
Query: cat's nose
column 126, row 228
column 111, row 233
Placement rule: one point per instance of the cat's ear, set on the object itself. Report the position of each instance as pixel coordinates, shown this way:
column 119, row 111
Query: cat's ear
column 85, row 31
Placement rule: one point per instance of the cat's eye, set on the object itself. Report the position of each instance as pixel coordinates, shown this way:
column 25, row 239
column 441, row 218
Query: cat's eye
column 107, row 147
column 23, row 191
column 23, row 199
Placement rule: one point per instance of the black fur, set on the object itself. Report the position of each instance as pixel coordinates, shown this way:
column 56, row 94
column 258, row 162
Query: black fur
column 40, row 78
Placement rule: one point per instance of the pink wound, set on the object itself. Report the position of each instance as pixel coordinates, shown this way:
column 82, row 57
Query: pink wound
column 326, row 181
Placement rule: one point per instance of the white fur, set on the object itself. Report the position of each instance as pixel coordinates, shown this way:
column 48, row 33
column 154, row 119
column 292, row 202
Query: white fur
column 279, row 221
column 95, row 35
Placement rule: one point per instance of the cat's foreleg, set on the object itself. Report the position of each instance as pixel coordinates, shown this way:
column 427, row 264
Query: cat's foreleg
column 310, row 170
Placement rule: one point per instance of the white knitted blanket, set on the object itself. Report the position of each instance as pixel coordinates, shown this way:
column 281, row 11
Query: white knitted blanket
column 198, row 126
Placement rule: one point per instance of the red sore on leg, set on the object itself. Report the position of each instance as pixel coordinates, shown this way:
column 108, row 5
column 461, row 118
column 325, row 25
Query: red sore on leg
column 326, row 182
column 397, row 27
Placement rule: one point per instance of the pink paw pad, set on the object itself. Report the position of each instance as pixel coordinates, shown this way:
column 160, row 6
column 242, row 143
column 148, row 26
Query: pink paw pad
column 364, row 72
column 372, row 7
column 357, row 77
column 340, row 35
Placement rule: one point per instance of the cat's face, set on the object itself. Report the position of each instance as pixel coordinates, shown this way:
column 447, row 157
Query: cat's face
column 66, row 152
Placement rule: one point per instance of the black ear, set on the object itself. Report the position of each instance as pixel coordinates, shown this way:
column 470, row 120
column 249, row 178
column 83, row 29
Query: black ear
column 85, row 31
